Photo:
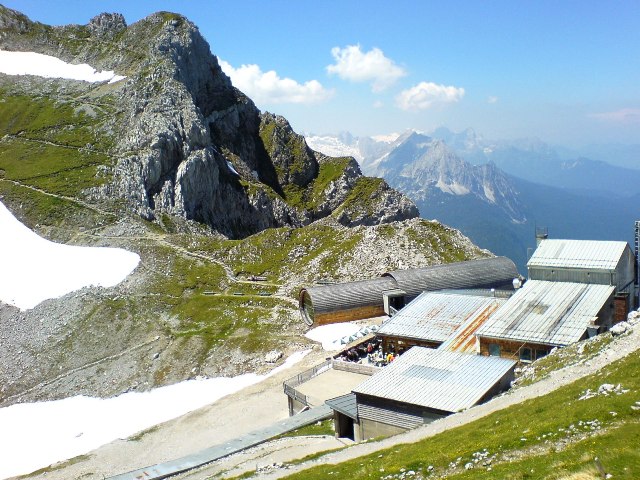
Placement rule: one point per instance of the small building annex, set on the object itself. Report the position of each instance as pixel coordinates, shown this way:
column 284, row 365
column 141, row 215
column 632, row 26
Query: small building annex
column 419, row 387
column 435, row 317
column 542, row 315
column 358, row 300
column 588, row 261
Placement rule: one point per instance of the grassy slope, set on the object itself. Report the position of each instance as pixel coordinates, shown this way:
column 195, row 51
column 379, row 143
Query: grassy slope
column 549, row 437
column 54, row 146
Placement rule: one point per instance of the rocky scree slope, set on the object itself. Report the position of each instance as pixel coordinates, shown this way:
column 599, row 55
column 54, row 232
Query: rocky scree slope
column 180, row 167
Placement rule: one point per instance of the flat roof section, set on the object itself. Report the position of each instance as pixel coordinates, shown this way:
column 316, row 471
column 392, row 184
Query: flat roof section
column 551, row 313
column 593, row 254
column 436, row 379
column 435, row 316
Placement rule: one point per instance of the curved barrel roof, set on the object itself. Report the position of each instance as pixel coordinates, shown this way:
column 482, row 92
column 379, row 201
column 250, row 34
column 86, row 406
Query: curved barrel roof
column 345, row 296
column 495, row 272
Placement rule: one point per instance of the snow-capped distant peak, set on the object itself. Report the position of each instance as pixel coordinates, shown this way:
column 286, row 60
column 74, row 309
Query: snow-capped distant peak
column 389, row 138
column 333, row 147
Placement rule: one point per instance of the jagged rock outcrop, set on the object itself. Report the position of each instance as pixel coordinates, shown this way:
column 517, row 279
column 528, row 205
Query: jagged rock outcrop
column 187, row 142
column 107, row 24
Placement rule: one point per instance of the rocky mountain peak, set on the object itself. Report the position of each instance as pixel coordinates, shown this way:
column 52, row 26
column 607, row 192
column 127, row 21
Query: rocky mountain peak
column 419, row 165
column 184, row 141
column 293, row 160
column 107, row 24
column 13, row 20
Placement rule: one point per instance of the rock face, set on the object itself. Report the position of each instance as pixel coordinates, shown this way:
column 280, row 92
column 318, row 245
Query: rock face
column 418, row 165
column 187, row 143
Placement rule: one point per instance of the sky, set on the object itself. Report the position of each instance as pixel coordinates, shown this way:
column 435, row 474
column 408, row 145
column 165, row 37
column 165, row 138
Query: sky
column 566, row 72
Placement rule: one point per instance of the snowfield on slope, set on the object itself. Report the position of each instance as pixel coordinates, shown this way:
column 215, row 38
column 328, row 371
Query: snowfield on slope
column 31, row 63
column 35, row 435
column 35, row 269
column 335, row 336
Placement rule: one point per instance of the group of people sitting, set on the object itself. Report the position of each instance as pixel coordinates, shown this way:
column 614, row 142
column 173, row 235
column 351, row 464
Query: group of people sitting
column 371, row 351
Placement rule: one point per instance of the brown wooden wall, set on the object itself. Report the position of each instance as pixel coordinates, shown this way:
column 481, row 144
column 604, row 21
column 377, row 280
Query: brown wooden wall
column 620, row 308
column 349, row 315
column 510, row 349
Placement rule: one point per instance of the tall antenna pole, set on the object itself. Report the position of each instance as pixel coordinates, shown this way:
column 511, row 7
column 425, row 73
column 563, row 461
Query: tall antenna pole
column 637, row 266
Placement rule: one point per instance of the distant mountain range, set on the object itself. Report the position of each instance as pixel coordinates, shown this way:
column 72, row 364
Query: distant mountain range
column 498, row 192
column 538, row 162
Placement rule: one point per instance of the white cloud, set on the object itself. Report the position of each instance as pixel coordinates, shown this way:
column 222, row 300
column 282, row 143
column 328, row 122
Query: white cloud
column 426, row 94
column 357, row 66
column 378, row 104
column 269, row 88
column 624, row 115
column 492, row 99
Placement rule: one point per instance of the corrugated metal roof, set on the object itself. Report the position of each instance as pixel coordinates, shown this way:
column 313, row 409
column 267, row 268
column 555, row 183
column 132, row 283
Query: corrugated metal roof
column 345, row 404
column 448, row 381
column 435, row 316
column 495, row 272
column 595, row 254
column 464, row 338
column 343, row 296
column 551, row 313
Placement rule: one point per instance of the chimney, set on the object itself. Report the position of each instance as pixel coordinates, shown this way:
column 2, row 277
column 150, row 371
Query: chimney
column 542, row 233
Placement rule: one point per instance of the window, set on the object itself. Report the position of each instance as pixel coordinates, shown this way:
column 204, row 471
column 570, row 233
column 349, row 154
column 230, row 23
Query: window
column 525, row 354
column 541, row 353
column 494, row 350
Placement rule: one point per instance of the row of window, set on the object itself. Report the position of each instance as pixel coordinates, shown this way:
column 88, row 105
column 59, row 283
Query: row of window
column 526, row 354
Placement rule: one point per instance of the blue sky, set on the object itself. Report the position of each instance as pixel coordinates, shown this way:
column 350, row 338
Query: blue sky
column 567, row 72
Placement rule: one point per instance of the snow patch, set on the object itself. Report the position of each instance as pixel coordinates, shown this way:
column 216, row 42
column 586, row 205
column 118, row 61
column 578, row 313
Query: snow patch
column 452, row 188
column 390, row 138
column 35, row 435
column 35, row 269
column 31, row 63
column 489, row 193
column 335, row 335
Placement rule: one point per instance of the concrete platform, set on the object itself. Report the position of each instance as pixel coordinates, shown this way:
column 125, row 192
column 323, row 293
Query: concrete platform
column 330, row 384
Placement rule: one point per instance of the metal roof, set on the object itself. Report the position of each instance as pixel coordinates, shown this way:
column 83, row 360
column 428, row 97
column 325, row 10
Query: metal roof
column 344, row 296
column 594, row 254
column 550, row 313
column 345, row 404
column 495, row 272
column 435, row 316
column 441, row 380
column 464, row 338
